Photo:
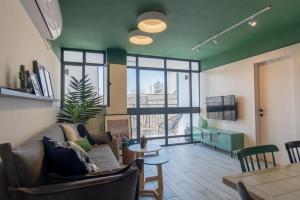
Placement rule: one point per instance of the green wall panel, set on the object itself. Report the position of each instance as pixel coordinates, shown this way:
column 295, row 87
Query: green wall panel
column 116, row 56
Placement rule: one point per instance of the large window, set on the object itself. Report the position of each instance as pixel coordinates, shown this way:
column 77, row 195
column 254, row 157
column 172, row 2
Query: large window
column 78, row 63
column 163, row 98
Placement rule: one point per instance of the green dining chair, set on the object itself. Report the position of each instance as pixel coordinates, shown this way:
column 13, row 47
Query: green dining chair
column 293, row 151
column 248, row 155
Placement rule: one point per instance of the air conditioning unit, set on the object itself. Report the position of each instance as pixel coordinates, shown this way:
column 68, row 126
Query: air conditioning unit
column 46, row 16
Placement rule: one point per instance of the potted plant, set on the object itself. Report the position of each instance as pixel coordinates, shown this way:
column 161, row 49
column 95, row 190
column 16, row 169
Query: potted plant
column 127, row 155
column 80, row 103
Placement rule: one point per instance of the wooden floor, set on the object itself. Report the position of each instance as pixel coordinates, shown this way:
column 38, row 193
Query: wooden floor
column 195, row 173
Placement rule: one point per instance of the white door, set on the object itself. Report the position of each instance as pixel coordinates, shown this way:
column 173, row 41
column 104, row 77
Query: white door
column 277, row 105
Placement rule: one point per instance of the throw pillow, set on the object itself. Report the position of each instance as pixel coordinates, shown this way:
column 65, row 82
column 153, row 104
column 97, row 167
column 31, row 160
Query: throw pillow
column 84, row 144
column 79, row 149
column 90, row 166
column 103, row 138
column 62, row 159
column 69, row 132
column 83, row 132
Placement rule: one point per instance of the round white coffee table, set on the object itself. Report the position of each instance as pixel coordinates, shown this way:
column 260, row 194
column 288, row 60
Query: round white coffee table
column 150, row 148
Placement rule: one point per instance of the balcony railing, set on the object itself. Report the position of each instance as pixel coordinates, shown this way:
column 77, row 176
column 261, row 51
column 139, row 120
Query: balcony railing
column 152, row 126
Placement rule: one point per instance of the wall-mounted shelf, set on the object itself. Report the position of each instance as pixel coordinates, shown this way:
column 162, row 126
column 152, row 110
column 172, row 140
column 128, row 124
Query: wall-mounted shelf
column 5, row 92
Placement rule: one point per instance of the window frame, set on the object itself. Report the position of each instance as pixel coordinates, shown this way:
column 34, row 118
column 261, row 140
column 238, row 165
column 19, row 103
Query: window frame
column 166, row 110
column 83, row 64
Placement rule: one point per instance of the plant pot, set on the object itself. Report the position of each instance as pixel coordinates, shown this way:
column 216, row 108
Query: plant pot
column 127, row 156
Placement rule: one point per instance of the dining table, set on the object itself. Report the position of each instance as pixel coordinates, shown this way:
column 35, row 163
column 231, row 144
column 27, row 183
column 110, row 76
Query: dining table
column 276, row 183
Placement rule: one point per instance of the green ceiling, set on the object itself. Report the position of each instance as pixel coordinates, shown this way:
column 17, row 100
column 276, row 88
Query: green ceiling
column 102, row 24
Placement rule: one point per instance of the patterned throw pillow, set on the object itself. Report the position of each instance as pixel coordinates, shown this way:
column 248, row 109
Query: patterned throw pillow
column 90, row 166
column 84, row 144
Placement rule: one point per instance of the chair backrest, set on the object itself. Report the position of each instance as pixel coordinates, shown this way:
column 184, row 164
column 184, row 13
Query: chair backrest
column 293, row 152
column 245, row 155
column 240, row 187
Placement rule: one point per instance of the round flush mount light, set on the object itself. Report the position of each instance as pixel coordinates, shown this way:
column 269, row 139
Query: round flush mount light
column 152, row 22
column 138, row 37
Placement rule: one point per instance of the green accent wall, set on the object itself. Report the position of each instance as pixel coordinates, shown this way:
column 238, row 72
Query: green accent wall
column 103, row 24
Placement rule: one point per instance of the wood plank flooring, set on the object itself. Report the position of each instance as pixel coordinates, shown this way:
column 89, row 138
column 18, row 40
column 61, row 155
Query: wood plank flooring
column 195, row 172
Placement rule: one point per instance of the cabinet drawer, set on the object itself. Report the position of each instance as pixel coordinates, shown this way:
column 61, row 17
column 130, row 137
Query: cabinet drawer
column 206, row 136
column 224, row 141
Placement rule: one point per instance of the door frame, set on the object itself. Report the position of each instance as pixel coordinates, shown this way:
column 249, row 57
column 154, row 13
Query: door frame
column 257, row 95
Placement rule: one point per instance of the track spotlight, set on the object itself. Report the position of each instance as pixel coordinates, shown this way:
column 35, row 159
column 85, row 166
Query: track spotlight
column 252, row 22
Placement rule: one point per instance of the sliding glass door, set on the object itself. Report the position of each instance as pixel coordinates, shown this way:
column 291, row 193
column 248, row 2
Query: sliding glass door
column 162, row 98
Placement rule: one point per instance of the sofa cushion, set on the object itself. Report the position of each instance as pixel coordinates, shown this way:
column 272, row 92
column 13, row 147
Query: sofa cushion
column 54, row 132
column 63, row 160
column 55, row 178
column 103, row 158
column 30, row 163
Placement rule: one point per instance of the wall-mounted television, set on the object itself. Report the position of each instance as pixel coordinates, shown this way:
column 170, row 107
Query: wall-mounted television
column 221, row 107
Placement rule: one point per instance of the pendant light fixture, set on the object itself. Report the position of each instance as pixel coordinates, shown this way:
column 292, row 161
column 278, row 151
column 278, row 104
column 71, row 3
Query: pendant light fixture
column 152, row 22
column 138, row 37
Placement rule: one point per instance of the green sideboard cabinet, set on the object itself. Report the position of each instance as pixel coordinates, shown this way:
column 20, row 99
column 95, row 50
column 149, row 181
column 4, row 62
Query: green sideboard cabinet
column 223, row 139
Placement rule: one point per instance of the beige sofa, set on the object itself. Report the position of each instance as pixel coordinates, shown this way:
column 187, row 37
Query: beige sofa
column 23, row 173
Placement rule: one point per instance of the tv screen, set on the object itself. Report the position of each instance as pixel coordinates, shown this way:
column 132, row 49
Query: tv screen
column 221, row 107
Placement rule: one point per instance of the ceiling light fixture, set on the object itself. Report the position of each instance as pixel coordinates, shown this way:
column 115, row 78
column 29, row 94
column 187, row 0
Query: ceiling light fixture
column 252, row 22
column 152, row 22
column 248, row 19
column 138, row 37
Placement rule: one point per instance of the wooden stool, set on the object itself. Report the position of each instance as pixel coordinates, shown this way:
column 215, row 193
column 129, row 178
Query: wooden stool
column 158, row 161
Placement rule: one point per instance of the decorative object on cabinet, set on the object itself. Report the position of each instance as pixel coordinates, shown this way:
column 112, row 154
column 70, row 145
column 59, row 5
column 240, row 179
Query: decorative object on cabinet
column 202, row 122
column 143, row 142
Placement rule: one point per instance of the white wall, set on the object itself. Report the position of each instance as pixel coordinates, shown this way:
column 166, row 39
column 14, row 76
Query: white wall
column 238, row 78
column 20, row 43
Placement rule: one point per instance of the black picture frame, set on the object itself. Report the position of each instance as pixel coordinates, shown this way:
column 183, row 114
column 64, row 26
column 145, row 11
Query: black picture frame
column 49, row 84
column 39, row 70
column 34, row 83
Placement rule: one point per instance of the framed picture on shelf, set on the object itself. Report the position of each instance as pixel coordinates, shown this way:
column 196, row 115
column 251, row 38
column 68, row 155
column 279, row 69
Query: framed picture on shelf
column 33, row 83
column 49, row 84
column 119, row 125
column 39, row 70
